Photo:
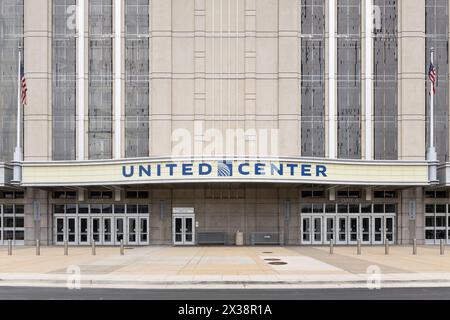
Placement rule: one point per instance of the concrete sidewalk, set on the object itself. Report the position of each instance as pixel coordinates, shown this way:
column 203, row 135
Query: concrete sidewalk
column 225, row 267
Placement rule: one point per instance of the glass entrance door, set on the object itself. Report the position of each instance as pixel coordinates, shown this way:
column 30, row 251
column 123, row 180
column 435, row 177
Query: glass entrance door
column 329, row 226
column 317, row 225
column 132, row 231
column 143, row 231
column 60, row 236
column 365, row 230
column 183, row 229
column 306, row 230
column 107, row 238
column 390, row 229
column 377, row 230
column 353, row 230
column 84, row 231
column 342, row 230
column 120, row 228
column 72, row 230
column 95, row 229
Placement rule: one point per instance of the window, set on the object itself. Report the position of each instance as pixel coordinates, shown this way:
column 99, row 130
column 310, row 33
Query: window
column 385, row 194
column 100, row 195
column 313, row 194
column 137, row 81
column 385, row 81
column 11, row 37
column 434, row 194
column 137, row 195
column 12, row 194
column 436, row 32
column 313, row 75
column 12, row 223
column 64, row 79
column 349, row 78
column 64, row 195
column 437, row 222
column 100, row 79
column 348, row 194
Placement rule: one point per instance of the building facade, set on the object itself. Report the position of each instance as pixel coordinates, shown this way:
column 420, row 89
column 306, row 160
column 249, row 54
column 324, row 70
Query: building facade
column 295, row 122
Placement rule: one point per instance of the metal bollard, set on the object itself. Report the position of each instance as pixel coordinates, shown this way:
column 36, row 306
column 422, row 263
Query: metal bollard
column 386, row 246
column 359, row 247
column 122, row 251
column 442, row 247
column 9, row 248
column 38, row 248
column 93, row 247
column 66, row 248
column 331, row 247
column 415, row 247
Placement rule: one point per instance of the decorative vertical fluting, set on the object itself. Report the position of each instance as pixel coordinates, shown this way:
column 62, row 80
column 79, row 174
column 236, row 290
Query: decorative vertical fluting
column 200, row 74
column 250, row 64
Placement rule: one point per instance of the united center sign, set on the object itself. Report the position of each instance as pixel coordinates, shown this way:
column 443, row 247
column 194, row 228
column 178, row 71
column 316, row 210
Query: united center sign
column 167, row 170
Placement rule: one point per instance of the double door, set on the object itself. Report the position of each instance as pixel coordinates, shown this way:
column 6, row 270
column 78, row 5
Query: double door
column 347, row 229
column 183, row 229
column 104, row 230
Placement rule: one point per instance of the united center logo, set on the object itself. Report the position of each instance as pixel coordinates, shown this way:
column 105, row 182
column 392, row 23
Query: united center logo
column 224, row 169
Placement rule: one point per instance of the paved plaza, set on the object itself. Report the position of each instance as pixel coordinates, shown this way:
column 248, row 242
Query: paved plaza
column 234, row 267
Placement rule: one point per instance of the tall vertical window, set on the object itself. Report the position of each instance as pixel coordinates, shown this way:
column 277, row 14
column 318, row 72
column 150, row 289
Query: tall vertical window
column 100, row 79
column 64, row 79
column 436, row 12
column 137, row 79
column 385, row 80
column 349, row 78
column 11, row 37
column 312, row 81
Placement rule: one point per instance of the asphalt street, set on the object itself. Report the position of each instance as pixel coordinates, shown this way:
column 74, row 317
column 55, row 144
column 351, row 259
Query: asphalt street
column 37, row 293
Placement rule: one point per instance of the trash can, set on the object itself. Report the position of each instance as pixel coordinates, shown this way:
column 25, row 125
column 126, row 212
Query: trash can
column 239, row 238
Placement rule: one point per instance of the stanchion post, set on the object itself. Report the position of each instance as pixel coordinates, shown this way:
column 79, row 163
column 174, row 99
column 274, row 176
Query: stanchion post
column 93, row 247
column 442, row 247
column 38, row 248
column 122, row 251
column 359, row 247
column 9, row 248
column 66, row 248
column 331, row 246
column 386, row 246
column 415, row 247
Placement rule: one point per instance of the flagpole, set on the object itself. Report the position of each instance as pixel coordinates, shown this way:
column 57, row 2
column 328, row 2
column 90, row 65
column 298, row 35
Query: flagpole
column 432, row 146
column 432, row 154
column 18, row 151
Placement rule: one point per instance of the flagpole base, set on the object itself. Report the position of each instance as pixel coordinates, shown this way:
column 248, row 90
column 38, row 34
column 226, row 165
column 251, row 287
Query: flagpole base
column 432, row 166
column 17, row 166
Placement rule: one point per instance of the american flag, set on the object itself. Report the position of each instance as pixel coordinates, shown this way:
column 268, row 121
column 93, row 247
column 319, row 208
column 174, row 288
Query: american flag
column 23, row 83
column 432, row 75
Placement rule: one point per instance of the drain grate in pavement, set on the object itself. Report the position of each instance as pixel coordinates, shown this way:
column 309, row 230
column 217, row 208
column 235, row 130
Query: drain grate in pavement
column 272, row 259
column 278, row 263
column 129, row 248
column 268, row 252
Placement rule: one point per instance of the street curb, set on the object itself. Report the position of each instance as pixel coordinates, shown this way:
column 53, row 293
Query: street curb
column 167, row 284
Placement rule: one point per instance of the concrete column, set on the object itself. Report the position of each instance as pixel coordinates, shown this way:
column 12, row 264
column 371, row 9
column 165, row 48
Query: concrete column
column 409, row 229
column 161, row 75
column 200, row 74
column 81, row 78
column 118, row 58
column 368, row 79
column 331, row 78
column 411, row 80
column 289, row 111
column 250, row 64
column 38, row 54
